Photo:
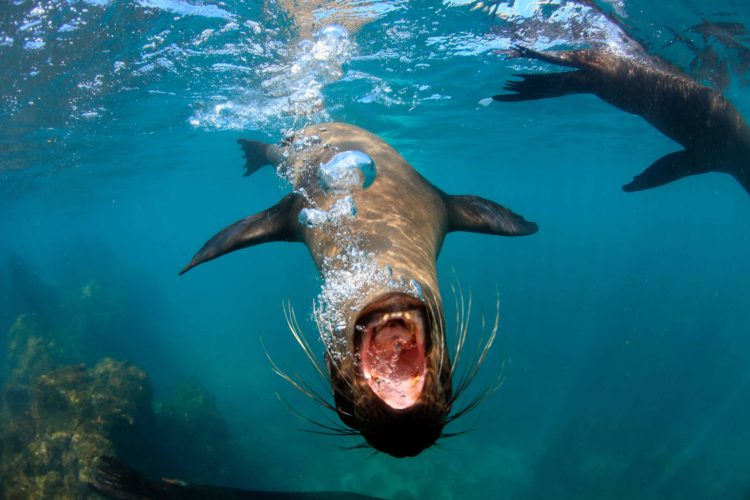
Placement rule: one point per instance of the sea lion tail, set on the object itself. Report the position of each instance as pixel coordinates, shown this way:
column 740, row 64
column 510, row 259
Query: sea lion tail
column 545, row 85
column 259, row 154
column 278, row 223
column 666, row 169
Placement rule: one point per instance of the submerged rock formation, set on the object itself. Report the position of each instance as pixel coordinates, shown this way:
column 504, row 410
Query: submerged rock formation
column 57, row 416
column 63, row 421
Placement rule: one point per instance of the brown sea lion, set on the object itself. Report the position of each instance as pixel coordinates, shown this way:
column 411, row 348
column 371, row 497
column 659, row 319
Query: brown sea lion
column 712, row 131
column 374, row 228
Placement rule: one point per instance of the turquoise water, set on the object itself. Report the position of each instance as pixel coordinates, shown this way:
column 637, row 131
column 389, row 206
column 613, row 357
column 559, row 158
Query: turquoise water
column 624, row 342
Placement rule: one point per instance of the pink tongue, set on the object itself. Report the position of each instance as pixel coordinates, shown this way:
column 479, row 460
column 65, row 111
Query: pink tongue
column 394, row 364
column 395, row 353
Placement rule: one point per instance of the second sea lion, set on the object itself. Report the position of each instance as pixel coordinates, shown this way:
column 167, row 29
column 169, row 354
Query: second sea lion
column 715, row 136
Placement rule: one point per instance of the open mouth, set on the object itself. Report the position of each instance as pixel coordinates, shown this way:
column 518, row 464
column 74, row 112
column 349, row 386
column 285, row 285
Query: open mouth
column 392, row 351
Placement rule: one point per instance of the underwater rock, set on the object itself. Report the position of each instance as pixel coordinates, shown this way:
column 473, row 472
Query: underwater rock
column 53, row 430
column 57, row 416
column 58, row 426
column 31, row 349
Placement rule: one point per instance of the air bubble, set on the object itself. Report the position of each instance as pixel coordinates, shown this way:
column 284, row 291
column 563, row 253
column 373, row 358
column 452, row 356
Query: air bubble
column 312, row 217
column 417, row 288
column 347, row 171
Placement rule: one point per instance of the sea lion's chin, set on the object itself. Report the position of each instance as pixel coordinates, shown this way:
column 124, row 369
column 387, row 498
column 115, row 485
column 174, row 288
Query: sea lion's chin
column 392, row 350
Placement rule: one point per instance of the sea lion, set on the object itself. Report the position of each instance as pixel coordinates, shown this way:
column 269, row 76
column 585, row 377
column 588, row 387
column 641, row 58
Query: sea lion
column 114, row 479
column 713, row 133
column 374, row 228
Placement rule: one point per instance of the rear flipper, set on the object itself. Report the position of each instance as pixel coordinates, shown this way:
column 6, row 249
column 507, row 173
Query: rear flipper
column 114, row 479
column 259, row 154
column 544, row 85
column 666, row 169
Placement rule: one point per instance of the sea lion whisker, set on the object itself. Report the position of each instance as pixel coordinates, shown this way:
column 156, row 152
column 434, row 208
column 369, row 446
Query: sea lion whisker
column 364, row 445
column 465, row 324
column 437, row 321
column 299, row 385
column 333, row 428
column 477, row 400
column 466, row 409
column 446, row 435
column 440, row 320
column 319, row 321
column 293, row 324
column 462, row 327
column 468, row 377
column 457, row 327
column 462, row 320
column 347, row 432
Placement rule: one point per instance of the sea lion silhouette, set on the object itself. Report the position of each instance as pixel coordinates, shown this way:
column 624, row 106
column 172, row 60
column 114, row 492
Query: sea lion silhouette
column 715, row 136
column 114, row 479
column 374, row 228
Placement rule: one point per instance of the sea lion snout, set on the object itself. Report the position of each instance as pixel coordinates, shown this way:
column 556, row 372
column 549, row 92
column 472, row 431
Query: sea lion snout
column 398, row 432
column 395, row 390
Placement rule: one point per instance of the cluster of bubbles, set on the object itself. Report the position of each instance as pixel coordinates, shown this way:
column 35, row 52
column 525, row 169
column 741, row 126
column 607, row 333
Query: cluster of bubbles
column 348, row 278
column 68, row 82
column 541, row 25
column 291, row 87
column 346, row 172
column 343, row 208
column 350, row 275
column 353, row 271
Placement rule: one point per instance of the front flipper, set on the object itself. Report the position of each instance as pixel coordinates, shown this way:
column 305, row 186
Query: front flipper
column 278, row 223
column 259, row 154
column 478, row 215
column 666, row 169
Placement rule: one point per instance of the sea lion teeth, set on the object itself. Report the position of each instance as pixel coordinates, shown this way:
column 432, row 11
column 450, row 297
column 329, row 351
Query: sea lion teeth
column 378, row 322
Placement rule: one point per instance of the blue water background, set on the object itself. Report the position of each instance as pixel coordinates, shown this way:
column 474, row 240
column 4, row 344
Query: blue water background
column 624, row 341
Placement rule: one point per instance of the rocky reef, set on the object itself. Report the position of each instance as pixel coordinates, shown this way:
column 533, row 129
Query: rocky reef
column 58, row 415
column 57, row 426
